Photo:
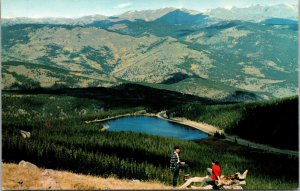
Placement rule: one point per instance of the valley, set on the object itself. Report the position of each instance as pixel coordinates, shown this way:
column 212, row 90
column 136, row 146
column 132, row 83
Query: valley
column 232, row 70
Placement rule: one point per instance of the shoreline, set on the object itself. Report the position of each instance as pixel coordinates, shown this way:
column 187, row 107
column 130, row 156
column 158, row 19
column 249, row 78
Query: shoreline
column 209, row 129
column 120, row 116
column 206, row 128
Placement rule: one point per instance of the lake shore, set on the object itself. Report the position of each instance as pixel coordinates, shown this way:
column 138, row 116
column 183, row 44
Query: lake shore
column 142, row 112
column 209, row 129
column 206, row 128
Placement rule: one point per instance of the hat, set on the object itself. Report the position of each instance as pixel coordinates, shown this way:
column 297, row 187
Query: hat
column 176, row 147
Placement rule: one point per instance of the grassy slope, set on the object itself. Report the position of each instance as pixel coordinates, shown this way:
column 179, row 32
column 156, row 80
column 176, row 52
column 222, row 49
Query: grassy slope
column 70, row 144
column 32, row 179
column 23, row 75
column 269, row 122
column 215, row 52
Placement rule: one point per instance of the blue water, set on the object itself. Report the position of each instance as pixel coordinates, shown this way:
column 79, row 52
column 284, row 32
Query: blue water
column 154, row 126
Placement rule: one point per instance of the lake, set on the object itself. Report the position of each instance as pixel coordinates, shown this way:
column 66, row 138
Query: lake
column 154, row 126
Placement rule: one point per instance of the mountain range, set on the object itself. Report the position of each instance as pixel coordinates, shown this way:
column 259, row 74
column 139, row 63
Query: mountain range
column 222, row 53
column 254, row 13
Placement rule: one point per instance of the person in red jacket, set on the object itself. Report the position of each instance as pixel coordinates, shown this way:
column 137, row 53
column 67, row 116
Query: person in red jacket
column 215, row 172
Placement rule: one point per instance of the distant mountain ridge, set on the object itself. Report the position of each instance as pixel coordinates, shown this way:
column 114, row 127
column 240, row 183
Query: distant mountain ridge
column 255, row 13
column 146, row 15
column 181, row 17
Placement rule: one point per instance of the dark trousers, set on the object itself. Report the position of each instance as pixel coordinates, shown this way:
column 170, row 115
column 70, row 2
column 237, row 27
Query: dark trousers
column 176, row 172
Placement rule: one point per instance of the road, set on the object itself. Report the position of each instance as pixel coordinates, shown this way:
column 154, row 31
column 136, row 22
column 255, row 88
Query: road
column 209, row 129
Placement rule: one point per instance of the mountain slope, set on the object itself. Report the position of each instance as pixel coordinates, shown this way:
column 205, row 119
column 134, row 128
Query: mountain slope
column 247, row 56
column 251, row 56
column 90, row 48
column 208, row 89
column 181, row 17
column 21, row 75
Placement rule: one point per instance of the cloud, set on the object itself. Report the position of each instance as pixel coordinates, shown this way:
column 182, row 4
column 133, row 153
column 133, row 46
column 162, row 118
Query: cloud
column 123, row 5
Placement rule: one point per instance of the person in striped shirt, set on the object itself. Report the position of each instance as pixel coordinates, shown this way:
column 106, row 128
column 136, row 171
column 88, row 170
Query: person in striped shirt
column 176, row 164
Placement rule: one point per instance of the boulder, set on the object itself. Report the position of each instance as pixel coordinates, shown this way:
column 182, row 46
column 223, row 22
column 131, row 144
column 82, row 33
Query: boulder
column 27, row 164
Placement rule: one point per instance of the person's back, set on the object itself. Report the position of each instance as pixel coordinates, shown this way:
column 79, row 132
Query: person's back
column 216, row 171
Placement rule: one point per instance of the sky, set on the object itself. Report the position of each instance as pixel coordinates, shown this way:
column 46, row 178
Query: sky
column 79, row 8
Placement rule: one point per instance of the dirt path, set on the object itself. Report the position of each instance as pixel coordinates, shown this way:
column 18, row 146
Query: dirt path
column 209, row 129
